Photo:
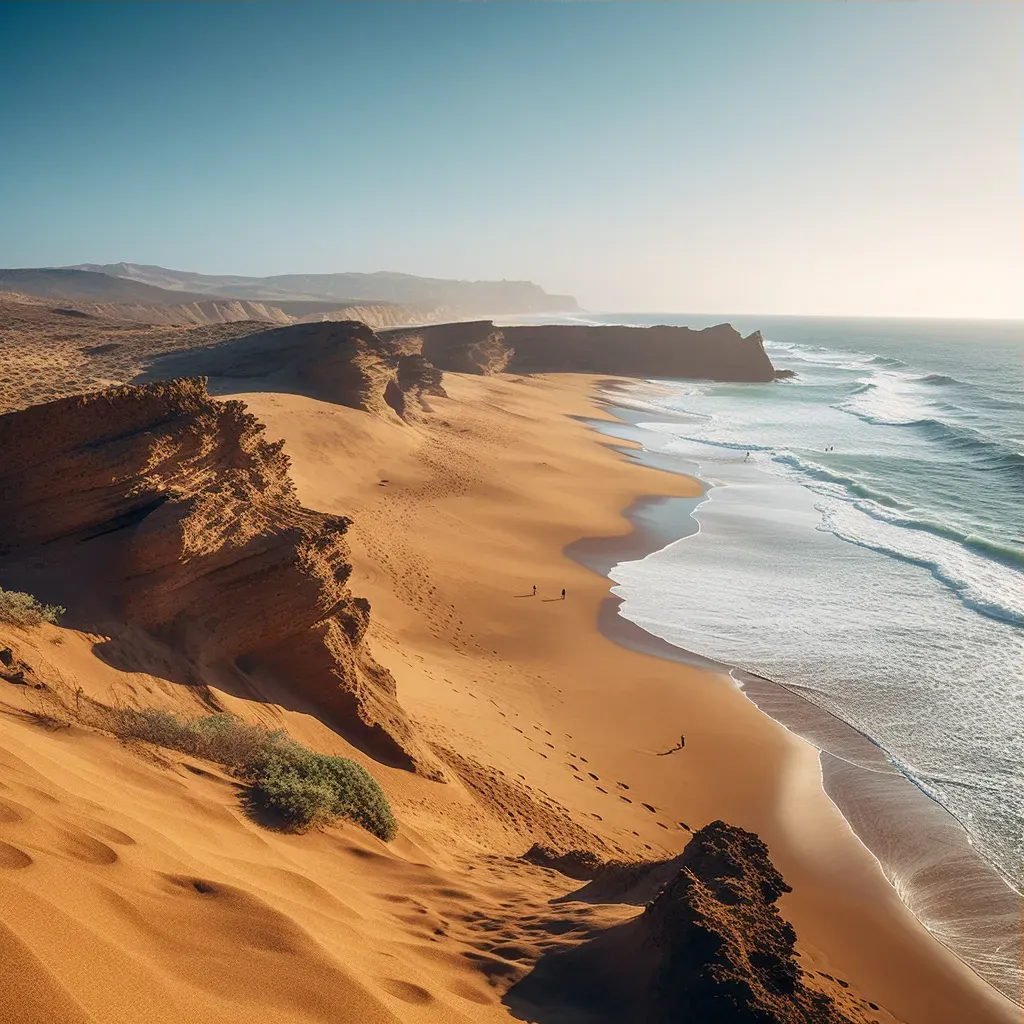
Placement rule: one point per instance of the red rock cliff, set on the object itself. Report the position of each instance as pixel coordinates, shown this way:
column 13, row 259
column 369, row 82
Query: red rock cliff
column 178, row 510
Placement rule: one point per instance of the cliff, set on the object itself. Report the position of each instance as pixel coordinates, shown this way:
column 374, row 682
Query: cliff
column 176, row 514
column 714, row 353
column 340, row 362
column 709, row 946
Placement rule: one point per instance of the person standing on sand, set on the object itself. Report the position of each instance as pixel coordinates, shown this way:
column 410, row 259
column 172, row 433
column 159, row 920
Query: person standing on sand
column 563, row 593
column 535, row 590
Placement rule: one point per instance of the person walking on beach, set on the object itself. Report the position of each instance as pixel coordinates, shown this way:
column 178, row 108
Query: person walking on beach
column 563, row 593
column 535, row 590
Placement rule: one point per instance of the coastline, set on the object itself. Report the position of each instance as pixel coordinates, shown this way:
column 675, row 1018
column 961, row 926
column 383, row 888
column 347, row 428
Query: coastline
column 506, row 476
column 544, row 729
column 924, row 852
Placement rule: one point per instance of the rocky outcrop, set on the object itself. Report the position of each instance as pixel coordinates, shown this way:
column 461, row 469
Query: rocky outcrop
column 176, row 511
column 714, row 353
column 710, row 946
column 475, row 347
column 578, row 864
column 723, row 951
column 340, row 362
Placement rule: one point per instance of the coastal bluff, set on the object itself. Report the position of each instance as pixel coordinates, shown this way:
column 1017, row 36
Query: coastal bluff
column 712, row 353
column 156, row 507
column 343, row 362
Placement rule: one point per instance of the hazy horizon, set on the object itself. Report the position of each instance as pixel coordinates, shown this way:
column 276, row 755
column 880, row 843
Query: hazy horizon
column 772, row 159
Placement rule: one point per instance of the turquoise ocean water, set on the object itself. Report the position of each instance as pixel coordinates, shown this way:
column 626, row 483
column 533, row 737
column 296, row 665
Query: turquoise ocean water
column 869, row 551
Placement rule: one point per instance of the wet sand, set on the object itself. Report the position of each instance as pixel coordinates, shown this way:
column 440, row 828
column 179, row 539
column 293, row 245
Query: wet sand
column 923, row 850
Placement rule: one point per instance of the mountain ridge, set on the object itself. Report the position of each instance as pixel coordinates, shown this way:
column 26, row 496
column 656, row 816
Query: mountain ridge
column 381, row 286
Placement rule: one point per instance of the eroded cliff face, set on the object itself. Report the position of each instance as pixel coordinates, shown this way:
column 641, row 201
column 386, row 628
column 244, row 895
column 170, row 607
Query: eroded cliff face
column 341, row 362
column 714, row 353
column 709, row 946
column 176, row 511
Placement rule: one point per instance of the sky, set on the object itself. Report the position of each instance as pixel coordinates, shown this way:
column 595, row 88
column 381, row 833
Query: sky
column 805, row 158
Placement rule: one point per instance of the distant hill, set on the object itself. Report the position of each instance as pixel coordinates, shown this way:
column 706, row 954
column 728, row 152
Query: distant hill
column 463, row 298
column 94, row 294
column 72, row 285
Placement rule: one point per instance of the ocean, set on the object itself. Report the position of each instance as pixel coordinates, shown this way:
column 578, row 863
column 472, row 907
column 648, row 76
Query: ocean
column 861, row 541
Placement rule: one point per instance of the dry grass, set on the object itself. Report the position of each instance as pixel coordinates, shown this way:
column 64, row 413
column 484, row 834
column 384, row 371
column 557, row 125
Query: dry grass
column 18, row 609
column 293, row 786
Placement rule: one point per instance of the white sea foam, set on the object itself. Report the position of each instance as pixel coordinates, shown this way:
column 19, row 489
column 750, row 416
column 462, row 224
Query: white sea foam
column 867, row 550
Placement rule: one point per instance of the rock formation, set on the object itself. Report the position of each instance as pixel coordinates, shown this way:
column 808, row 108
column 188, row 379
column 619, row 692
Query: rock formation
column 476, row 347
column 578, row 864
column 341, row 362
column 714, row 353
column 176, row 511
column 710, row 946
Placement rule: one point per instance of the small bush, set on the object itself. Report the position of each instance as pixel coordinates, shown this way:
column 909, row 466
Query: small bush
column 305, row 788
column 288, row 782
column 24, row 610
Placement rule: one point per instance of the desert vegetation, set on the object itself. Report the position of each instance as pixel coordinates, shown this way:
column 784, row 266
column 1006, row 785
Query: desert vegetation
column 289, row 784
column 18, row 609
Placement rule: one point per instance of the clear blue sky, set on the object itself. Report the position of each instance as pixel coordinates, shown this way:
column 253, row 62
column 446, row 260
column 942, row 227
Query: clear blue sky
column 853, row 158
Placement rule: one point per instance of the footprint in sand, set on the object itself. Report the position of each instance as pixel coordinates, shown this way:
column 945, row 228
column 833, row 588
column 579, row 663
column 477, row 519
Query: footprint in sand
column 8, row 814
column 650, row 808
column 625, row 799
column 593, row 776
column 621, row 785
column 12, row 858
column 601, row 789
column 85, row 848
column 407, row 991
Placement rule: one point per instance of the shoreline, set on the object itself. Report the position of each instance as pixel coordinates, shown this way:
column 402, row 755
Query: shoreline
column 453, row 520
column 922, row 849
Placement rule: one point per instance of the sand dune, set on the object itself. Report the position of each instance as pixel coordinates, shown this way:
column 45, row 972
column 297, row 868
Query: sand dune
column 135, row 887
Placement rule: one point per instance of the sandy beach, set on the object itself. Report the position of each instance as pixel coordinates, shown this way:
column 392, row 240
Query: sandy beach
column 144, row 866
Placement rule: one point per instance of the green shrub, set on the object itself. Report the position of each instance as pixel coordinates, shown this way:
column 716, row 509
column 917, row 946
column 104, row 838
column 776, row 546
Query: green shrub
column 304, row 788
column 288, row 782
column 24, row 610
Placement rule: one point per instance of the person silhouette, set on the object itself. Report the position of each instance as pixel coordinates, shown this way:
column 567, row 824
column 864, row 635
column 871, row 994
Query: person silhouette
column 535, row 590
column 563, row 593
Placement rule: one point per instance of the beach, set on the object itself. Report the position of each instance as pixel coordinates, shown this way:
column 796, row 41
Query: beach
column 543, row 722
column 552, row 482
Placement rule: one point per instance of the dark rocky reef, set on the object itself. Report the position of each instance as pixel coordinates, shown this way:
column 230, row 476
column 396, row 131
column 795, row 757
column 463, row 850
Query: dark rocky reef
column 174, row 514
column 337, row 361
column 714, row 353
column 709, row 946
